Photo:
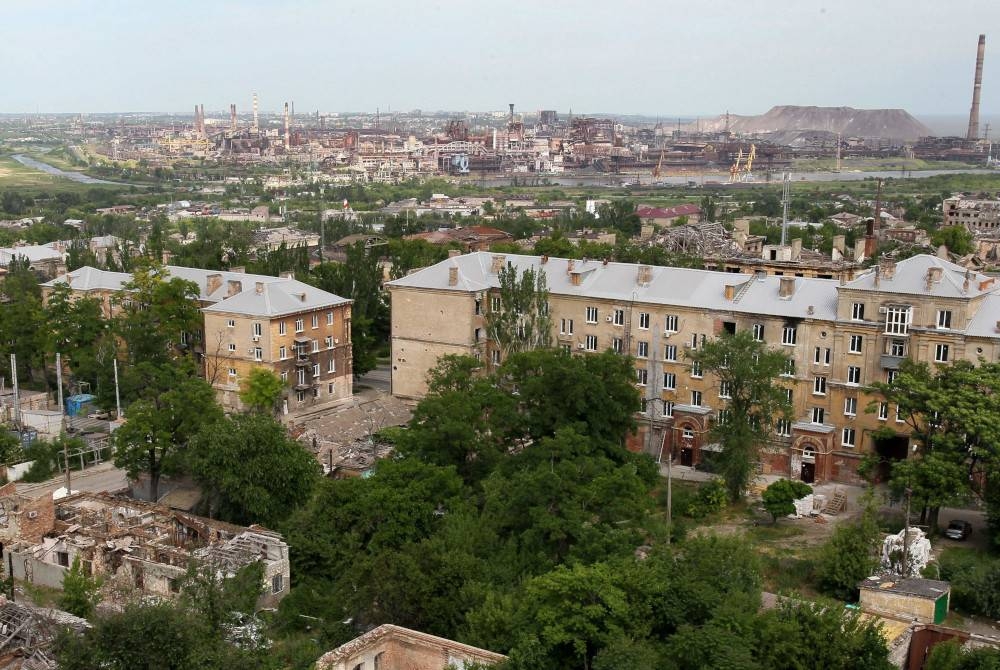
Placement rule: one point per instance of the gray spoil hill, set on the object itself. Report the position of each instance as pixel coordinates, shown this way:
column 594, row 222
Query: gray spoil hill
column 849, row 122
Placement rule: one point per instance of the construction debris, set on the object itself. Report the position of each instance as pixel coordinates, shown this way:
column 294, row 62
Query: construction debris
column 27, row 634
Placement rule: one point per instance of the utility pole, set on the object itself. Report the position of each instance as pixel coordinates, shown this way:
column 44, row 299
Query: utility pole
column 906, row 533
column 17, row 395
column 62, row 419
column 651, row 404
column 118, row 400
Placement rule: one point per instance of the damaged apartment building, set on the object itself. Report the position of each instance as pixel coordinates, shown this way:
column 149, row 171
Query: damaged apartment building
column 136, row 544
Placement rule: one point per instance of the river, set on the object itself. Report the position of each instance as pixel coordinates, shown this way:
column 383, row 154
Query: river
column 78, row 177
column 708, row 179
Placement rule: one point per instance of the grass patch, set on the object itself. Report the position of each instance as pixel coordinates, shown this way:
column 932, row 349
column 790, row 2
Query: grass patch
column 42, row 596
column 774, row 532
column 788, row 573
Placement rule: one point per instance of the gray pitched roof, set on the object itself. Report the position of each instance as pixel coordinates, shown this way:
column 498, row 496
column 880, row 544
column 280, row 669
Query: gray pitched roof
column 277, row 295
column 814, row 298
column 910, row 277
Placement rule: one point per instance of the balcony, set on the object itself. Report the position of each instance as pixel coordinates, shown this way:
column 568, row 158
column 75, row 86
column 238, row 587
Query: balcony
column 890, row 362
column 303, row 361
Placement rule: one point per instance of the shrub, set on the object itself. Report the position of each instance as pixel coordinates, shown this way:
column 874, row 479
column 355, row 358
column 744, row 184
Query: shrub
column 780, row 496
column 712, row 497
column 975, row 580
column 850, row 556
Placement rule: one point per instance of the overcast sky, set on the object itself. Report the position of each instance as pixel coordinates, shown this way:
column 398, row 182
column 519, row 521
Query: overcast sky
column 658, row 57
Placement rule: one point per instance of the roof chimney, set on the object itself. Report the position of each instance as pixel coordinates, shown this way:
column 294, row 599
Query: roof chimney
column 497, row 264
column 234, row 287
column 786, row 287
column 730, row 292
column 796, row 249
column 838, row 243
column 260, row 287
column 288, row 274
column 212, row 283
column 888, row 269
column 239, row 269
column 545, row 259
column 933, row 277
column 452, row 253
column 644, row 275
column 453, row 275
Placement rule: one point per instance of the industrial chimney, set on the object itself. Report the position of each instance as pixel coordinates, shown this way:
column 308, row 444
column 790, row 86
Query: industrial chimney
column 232, row 117
column 197, row 125
column 976, row 87
column 256, row 128
column 288, row 142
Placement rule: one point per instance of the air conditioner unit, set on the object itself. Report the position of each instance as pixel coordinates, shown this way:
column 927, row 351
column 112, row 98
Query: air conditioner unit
column 883, row 310
column 667, row 335
column 609, row 319
column 581, row 345
column 33, row 514
column 256, row 338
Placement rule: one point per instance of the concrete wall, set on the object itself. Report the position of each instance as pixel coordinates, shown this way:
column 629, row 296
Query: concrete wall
column 29, row 569
column 897, row 605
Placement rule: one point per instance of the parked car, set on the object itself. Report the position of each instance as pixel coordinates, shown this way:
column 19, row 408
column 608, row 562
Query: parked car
column 958, row 529
column 101, row 414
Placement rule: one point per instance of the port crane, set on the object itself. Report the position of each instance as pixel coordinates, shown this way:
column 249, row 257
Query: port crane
column 742, row 171
column 658, row 170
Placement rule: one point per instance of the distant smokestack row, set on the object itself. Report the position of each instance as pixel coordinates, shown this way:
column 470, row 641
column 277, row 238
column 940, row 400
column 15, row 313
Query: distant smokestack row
column 199, row 119
column 976, row 87
column 256, row 127
column 232, row 117
column 288, row 138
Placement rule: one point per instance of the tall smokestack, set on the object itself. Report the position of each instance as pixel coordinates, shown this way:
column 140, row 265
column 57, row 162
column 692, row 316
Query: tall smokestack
column 511, row 104
column 197, row 125
column 201, row 118
column 976, row 87
column 288, row 139
column 232, row 117
column 256, row 127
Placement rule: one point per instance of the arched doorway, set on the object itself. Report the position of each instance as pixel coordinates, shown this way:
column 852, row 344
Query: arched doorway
column 807, row 471
column 687, row 445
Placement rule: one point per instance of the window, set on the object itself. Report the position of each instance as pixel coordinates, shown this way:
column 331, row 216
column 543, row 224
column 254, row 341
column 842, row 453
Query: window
column 670, row 324
column 944, row 318
column 619, row 317
column 826, row 356
column 331, row 366
column 941, row 353
column 299, row 325
column 897, row 348
column 897, row 320
column 495, row 356
column 783, row 427
column 688, row 434
column 724, row 416
column 642, row 350
column 641, row 377
column 788, row 335
column 696, row 369
column 566, row 327
column 899, row 419
column 282, row 353
column 300, row 396
column 232, row 347
column 328, row 340
column 591, row 343
column 696, row 398
column 258, row 354
column 669, row 381
column 644, row 320
column 668, row 408
column 495, row 303
column 616, row 344
column 850, row 406
column 816, row 355
column 847, row 437
column 819, row 386
column 725, row 390
column 591, row 315
column 670, row 352
column 856, row 343
column 232, row 372
column 281, row 328
column 858, row 311
column 379, row 660
column 329, row 315
column 316, row 370
column 329, row 389
column 758, row 332
column 256, row 329
column 890, row 376
column 789, row 368
column 853, row 374
column 300, row 377
column 231, row 323
column 883, row 411
column 315, row 346
column 284, row 377
column 315, row 320
column 789, row 394
column 818, row 414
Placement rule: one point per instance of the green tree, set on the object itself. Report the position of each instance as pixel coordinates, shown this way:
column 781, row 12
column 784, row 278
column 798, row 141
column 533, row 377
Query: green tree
column 76, row 328
column 849, row 556
column 779, row 497
column 80, row 592
column 621, row 215
column 262, row 391
column 747, row 371
column 158, row 429
column 951, row 655
column 22, row 325
column 522, row 321
column 708, row 208
column 957, row 239
column 250, row 470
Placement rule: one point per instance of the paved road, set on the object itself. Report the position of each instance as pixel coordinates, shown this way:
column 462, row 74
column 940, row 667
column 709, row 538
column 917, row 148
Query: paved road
column 101, row 477
column 377, row 378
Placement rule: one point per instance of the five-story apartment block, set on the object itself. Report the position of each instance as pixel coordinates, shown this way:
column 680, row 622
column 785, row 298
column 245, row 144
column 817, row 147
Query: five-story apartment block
column 840, row 337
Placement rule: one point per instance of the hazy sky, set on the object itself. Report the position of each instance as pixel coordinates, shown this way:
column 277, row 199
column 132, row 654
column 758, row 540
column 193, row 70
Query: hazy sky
column 654, row 57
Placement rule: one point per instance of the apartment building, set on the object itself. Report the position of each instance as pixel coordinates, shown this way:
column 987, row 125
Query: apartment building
column 975, row 214
column 301, row 333
column 839, row 335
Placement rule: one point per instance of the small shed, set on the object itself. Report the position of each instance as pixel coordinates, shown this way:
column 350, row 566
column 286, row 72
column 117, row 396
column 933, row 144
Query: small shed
column 79, row 404
column 923, row 600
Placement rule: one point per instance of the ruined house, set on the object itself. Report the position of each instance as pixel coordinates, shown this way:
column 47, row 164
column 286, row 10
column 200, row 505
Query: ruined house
column 142, row 544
